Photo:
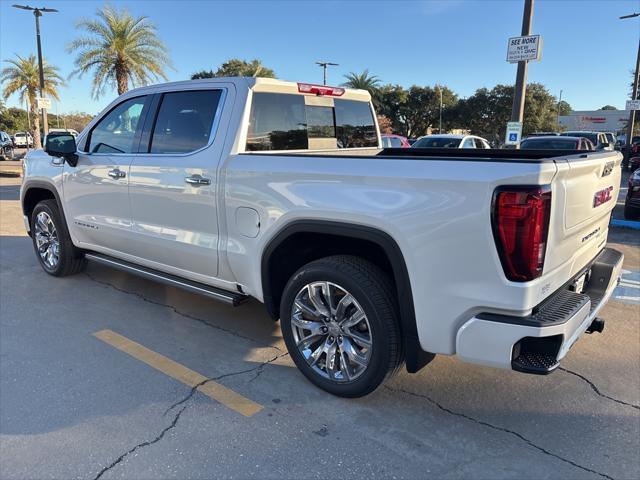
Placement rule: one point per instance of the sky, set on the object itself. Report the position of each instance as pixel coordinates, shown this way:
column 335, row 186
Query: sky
column 588, row 53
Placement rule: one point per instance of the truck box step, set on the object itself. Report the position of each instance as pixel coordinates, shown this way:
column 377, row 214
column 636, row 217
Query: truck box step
column 232, row 298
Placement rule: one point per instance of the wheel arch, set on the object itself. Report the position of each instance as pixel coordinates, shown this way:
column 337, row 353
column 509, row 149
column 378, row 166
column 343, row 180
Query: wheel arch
column 36, row 191
column 336, row 237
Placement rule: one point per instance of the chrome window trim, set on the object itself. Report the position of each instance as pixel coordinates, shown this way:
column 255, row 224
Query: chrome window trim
column 212, row 134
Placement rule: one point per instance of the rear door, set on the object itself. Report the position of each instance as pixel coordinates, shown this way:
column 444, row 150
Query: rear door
column 96, row 191
column 173, row 183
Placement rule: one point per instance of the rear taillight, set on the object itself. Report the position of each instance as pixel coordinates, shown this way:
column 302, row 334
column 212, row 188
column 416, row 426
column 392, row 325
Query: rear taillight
column 320, row 90
column 520, row 226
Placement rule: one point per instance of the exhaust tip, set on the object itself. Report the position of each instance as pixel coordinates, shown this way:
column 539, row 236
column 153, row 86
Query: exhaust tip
column 596, row 326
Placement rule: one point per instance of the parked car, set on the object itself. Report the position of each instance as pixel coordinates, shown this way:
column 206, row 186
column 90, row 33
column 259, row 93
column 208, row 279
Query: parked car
column 599, row 139
column 6, row 146
column 634, row 163
column 248, row 187
column 632, row 200
column 23, row 140
column 394, row 141
column 451, row 141
column 557, row 143
column 64, row 130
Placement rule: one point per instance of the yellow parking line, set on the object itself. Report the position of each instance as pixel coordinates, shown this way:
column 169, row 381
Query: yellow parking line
column 217, row 392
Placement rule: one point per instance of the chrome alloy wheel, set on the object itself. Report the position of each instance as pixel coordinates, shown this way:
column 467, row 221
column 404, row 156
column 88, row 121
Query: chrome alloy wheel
column 331, row 331
column 47, row 240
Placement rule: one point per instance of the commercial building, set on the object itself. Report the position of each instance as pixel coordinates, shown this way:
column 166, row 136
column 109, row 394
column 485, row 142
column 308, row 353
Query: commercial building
column 596, row 120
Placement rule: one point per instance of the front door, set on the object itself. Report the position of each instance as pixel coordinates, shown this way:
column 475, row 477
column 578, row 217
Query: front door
column 173, row 186
column 96, row 191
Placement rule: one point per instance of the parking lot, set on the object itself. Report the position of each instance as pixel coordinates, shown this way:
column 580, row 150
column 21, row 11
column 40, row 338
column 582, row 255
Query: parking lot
column 105, row 375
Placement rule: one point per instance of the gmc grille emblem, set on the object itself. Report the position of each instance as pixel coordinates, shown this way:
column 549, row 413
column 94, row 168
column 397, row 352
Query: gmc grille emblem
column 608, row 168
column 602, row 196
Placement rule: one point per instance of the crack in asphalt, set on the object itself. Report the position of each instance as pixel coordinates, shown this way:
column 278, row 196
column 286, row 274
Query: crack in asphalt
column 176, row 418
column 500, row 429
column 171, row 307
column 259, row 368
column 173, row 423
column 597, row 390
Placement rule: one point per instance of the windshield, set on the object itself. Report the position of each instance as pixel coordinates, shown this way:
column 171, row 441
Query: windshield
column 437, row 142
column 549, row 144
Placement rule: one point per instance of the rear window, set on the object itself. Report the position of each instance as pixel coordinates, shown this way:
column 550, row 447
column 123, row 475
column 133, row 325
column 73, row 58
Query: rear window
column 591, row 136
column 283, row 122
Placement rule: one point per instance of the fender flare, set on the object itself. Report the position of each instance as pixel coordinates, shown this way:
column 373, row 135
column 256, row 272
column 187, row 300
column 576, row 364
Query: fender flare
column 40, row 185
column 415, row 357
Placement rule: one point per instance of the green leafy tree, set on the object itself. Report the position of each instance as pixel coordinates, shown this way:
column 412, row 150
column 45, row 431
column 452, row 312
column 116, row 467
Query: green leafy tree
column 22, row 77
column 487, row 112
column 119, row 50
column 608, row 107
column 412, row 112
column 235, row 67
column 564, row 108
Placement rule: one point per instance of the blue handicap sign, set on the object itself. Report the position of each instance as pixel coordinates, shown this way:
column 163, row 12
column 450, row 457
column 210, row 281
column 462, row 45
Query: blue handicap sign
column 513, row 137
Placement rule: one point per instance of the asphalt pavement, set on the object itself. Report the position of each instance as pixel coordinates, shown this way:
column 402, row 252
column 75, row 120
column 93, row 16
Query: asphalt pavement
column 97, row 376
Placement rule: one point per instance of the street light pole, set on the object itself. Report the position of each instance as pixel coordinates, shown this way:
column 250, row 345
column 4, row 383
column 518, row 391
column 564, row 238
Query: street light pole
column 634, row 92
column 324, row 66
column 440, row 127
column 558, row 112
column 517, row 111
column 37, row 12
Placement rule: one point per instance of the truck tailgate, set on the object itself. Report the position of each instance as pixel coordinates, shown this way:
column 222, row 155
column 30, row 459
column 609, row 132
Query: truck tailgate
column 585, row 190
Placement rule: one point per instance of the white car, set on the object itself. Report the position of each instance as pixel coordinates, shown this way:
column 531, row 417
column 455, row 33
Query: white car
column 236, row 188
column 23, row 140
column 451, row 141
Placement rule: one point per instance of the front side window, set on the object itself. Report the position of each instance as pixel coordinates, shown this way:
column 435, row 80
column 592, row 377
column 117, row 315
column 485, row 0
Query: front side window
column 184, row 121
column 285, row 122
column 116, row 131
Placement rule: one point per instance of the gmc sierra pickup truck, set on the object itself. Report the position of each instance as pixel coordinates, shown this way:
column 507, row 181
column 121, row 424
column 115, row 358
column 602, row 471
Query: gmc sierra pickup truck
column 371, row 258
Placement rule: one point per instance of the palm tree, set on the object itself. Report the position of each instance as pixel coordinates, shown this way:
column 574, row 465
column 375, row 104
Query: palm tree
column 362, row 81
column 120, row 50
column 22, row 77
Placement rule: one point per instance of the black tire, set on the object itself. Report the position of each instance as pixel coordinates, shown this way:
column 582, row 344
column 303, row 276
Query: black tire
column 631, row 213
column 373, row 291
column 71, row 259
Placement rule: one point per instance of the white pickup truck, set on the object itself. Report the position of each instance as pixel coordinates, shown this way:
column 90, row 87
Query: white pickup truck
column 371, row 258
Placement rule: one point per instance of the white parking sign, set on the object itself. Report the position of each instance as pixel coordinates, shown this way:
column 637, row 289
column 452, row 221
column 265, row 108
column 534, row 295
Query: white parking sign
column 514, row 132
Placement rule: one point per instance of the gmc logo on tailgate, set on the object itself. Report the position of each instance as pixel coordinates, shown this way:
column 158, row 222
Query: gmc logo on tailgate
column 602, row 196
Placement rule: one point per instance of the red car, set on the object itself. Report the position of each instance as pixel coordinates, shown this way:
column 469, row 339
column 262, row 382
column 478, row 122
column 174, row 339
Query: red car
column 632, row 202
column 390, row 140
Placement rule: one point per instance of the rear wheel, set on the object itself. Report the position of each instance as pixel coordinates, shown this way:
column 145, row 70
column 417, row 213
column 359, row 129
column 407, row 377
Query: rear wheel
column 52, row 243
column 339, row 321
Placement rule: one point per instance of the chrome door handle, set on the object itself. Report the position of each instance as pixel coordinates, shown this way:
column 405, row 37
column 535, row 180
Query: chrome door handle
column 197, row 180
column 116, row 173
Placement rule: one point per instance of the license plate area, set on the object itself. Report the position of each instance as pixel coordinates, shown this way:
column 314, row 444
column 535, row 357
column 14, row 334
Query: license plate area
column 579, row 283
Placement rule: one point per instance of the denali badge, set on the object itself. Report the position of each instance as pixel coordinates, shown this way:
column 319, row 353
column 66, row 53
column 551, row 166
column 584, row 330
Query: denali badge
column 608, row 168
column 602, row 196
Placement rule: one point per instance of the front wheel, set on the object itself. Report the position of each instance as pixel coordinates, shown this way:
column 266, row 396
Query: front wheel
column 340, row 324
column 52, row 243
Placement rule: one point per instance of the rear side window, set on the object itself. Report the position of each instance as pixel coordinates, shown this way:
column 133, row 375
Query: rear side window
column 184, row 121
column 285, row 122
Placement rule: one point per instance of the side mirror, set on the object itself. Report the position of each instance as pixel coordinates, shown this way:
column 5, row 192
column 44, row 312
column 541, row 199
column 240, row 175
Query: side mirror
column 63, row 146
